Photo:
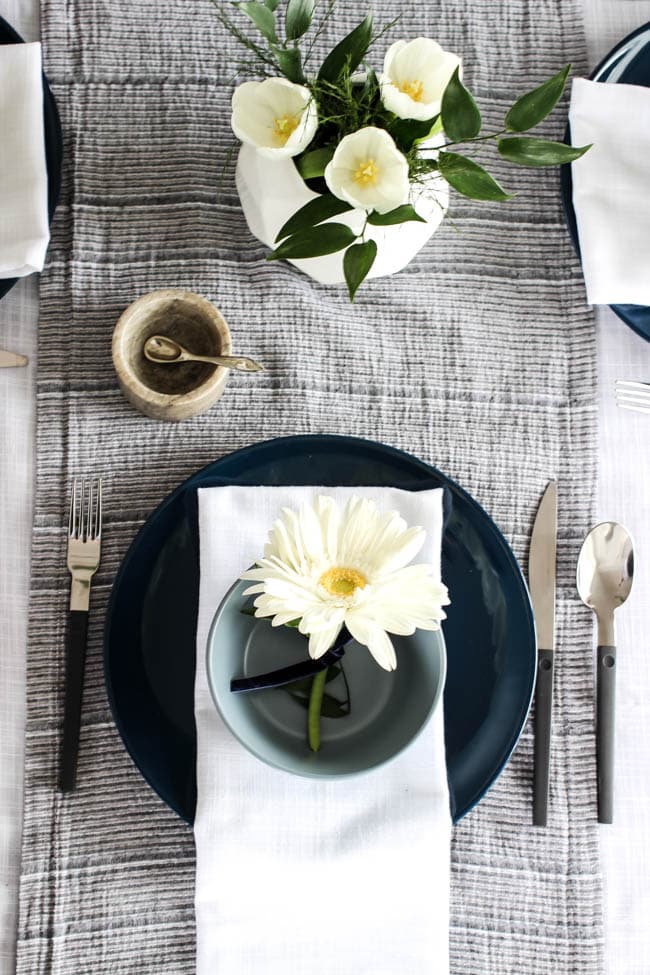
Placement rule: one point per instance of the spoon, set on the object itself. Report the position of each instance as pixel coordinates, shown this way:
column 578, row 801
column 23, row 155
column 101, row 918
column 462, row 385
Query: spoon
column 160, row 348
column 604, row 579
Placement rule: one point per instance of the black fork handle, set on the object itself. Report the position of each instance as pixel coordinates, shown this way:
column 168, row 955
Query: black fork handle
column 74, row 683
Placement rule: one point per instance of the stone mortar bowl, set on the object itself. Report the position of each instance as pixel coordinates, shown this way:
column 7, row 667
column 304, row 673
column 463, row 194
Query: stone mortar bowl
column 179, row 390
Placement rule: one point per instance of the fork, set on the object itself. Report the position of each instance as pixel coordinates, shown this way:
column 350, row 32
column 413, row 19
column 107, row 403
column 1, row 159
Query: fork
column 633, row 395
column 84, row 546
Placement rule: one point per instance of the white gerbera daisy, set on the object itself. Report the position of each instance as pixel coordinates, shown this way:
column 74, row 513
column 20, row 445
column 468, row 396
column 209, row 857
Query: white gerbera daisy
column 329, row 567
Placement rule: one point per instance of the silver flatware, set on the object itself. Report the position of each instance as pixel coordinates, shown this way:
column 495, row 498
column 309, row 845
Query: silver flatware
column 631, row 395
column 541, row 578
column 162, row 349
column 604, row 580
column 84, row 550
column 10, row 359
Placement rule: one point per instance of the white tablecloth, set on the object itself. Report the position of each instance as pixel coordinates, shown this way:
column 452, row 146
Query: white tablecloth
column 624, row 495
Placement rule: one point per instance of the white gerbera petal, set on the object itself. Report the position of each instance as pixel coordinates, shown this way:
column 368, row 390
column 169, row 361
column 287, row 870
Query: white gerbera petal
column 319, row 643
column 275, row 116
column 367, row 632
column 367, row 170
column 415, row 77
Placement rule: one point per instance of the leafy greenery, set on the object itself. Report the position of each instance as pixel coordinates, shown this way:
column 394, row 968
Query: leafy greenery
column 357, row 262
column 298, row 18
column 532, row 108
column 321, row 208
column 538, row 152
column 348, row 53
column 314, row 242
column 398, row 215
column 312, row 164
column 461, row 118
column 469, row 178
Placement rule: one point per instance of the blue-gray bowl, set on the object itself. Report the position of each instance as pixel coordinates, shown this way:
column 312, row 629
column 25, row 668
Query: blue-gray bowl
column 388, row 710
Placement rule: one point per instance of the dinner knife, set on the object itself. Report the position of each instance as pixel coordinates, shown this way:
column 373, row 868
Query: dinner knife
column 541, row 579
column 8, row 359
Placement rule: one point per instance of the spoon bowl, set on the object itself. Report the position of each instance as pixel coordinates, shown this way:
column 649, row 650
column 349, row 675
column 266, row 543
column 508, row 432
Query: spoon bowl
column 606, row 569
column 604, row 579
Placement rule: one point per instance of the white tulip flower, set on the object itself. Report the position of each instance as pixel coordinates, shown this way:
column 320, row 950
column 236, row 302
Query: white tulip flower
column 415, row 76
column 368, row 171
column 276, row 117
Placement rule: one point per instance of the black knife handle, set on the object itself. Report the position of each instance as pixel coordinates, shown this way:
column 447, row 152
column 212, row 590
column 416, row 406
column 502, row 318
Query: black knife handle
column 543, row 722
column 74, row 683
column 605, row 698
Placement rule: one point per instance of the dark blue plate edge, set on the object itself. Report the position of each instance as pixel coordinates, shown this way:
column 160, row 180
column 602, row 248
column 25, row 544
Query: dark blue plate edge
column 53, row 146
column 566, row 189
column 315, row 439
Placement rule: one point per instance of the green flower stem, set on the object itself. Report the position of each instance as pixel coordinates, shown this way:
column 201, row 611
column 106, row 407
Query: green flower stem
column 315, row 704
column 478, row 138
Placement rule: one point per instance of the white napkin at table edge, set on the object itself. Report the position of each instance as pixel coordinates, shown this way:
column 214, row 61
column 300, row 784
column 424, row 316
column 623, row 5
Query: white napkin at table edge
column 304, row 875
column 24, row 229
column 610, row 189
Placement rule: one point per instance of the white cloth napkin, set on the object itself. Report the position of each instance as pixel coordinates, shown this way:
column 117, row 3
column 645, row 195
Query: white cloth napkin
column 24, row 230
column 295, row 875
column 611, row 189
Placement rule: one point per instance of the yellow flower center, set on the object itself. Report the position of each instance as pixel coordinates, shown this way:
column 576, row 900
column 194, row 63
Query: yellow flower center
column 366, row 174
column 341, row 581
column 283, row 127
column 414, row 89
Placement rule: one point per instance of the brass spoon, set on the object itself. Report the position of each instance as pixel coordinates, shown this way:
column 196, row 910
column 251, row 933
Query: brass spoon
column 604, row 579
column 161, row 349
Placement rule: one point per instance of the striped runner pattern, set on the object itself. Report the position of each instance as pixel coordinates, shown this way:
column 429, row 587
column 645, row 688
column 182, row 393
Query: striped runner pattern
column 479, row 358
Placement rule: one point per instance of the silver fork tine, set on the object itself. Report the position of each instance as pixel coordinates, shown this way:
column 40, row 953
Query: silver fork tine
column 98, row 512
column 72, row 520
column 90, row 531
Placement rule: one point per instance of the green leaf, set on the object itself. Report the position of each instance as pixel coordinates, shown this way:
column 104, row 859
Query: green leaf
column 312, row 164
column 470, row 179
column 313, row 213
column 298, row 18
column 527, row 151
column 314, row 242
column 398, row 215
column 349, row 52
column 461, row 118
column 406, row 132
column 262, row 17
column 357, row 262
column 271, row 4
column 290, row 63
column 531, row 108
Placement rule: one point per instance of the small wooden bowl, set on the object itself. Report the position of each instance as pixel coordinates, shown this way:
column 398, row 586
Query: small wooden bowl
column 176, row 391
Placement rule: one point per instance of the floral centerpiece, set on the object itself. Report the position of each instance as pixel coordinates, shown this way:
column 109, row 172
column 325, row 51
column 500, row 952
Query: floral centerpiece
column 339, row 160
column 341, row 574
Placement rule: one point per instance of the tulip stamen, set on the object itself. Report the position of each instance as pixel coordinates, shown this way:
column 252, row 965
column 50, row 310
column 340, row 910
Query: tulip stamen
column 283, row 127
column 414, row 89
column 366, row 173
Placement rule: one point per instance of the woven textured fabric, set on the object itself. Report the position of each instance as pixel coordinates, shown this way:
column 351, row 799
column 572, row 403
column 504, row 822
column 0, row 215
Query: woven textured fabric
column 479, row 358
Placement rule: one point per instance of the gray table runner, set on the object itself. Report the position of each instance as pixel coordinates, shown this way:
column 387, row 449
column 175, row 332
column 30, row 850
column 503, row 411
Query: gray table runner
column 479, row 358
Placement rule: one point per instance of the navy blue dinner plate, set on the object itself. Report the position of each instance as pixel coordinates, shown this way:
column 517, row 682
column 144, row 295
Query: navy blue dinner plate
column 53, row 141
column 628, row 63
column 150, row 653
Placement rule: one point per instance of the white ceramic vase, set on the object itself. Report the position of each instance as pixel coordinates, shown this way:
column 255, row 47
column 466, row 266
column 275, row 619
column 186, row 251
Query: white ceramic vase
column 271, row 191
